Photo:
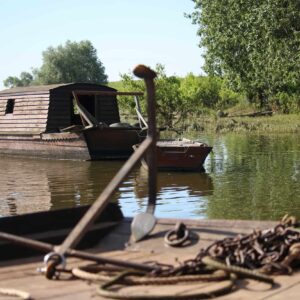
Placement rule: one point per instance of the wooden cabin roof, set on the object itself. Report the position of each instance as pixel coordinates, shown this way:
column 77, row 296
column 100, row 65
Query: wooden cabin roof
column 37, row 109
column 48, row 88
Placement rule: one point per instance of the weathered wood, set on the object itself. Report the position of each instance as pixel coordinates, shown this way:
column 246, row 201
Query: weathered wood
column 30, row 103
column 20, row 130
column 108, row 93
column 28, row 112
column 19, row 135
column 30, row 107
column 45, row 109
column 23, row 96
column 23, row 117
column 22, row 125
column 22, row 275
column 22, row 121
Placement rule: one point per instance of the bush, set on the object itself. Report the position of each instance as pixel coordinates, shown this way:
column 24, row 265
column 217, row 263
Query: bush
column 228, row 98
column 285, row 102
column 200, row 91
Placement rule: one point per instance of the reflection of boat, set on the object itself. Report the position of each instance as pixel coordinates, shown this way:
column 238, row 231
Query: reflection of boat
column 195, row 183
column 180, row 155
column 69, row 121
column 31, row 185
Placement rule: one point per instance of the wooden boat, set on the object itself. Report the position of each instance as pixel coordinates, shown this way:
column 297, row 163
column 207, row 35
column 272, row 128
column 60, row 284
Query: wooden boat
column 157, row 254
column 53, row 227
column 20, row 274
column 180, row 155
column 66, row 121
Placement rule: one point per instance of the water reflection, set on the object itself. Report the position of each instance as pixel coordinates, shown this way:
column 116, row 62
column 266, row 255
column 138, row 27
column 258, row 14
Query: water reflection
column 29, row 185
column 248, row 177
column 256, row 177
column 179, row 193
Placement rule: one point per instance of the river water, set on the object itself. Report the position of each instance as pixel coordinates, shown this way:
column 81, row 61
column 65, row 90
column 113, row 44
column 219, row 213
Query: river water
column 253, row 177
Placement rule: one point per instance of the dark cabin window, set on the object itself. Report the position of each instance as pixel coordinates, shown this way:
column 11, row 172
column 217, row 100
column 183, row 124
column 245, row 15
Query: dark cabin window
column 10, row 106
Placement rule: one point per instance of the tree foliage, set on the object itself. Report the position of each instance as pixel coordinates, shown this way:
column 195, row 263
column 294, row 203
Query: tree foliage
column 200, row 91
column 255, row 44
column 169, row 105
column 178, row 98
column 24, row 80
column 72, row 62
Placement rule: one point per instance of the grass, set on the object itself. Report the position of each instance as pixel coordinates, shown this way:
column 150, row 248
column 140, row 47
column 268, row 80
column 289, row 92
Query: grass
column 278, row 123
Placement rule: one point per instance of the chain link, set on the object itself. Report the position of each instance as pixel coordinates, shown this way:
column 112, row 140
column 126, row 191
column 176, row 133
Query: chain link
column 271, row 251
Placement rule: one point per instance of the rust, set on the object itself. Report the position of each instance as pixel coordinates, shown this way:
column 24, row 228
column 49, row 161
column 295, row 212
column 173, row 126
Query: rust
column 177, row 236
column 271, row 251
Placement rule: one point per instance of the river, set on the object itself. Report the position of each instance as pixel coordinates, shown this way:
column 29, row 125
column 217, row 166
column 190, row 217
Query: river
column 253, row 177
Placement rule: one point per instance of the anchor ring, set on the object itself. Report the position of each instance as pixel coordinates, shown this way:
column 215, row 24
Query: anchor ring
column 58, row 258
column 177, row 236
column 51, row 261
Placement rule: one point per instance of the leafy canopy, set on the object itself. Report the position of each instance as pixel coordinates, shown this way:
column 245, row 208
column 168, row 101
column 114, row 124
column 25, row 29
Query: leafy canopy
column 178, row 98
column 169, row 105
column 255, row 44
column 24, row 80
column 72, row 62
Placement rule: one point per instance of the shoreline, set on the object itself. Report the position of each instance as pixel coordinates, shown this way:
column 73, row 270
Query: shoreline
column 276, row 124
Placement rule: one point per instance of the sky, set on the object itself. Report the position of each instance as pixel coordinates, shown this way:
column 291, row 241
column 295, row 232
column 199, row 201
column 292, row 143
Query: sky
column 125, row 33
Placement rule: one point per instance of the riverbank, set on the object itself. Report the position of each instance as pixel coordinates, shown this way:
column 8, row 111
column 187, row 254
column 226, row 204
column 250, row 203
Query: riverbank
column 277, row 123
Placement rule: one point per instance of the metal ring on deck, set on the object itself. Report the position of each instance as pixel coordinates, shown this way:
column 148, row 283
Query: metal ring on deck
column 177, row 236
column 51, row 261
column 59, row 259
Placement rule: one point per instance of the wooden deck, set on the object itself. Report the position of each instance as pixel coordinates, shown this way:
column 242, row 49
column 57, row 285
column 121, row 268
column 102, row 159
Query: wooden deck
column 21, row 274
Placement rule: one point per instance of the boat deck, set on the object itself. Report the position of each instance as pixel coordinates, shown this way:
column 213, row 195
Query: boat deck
column 22, row 275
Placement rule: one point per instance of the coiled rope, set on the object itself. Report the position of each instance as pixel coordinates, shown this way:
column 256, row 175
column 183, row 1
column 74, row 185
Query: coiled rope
column 15, row 293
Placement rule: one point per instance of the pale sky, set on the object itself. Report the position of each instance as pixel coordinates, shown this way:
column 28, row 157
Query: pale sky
column 125, row 33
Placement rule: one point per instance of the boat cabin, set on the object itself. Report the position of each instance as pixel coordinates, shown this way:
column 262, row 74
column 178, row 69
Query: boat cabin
column 69, row 121
column 49, row 108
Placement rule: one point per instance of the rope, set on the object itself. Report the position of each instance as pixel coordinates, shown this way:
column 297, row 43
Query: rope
column 229, row 284
column 15, row 293
column 146, row 280
column 103, row 291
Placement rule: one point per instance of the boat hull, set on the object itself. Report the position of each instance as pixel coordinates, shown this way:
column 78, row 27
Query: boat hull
column 92, row 144
column 182, row 159
column 180, row 155
column 56, row 145
column 53, row 227
column 112, row 143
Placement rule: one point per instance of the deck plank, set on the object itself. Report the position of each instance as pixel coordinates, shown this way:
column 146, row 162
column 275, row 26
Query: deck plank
column 22, row 274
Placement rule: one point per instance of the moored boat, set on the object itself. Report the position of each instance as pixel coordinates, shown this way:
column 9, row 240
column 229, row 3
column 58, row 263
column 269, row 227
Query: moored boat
column 21, row 275
column 180, row 155
column 66, row 121
column 52, row 227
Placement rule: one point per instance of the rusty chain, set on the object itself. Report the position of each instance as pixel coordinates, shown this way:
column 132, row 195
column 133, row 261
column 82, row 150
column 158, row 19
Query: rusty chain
column 272, row 251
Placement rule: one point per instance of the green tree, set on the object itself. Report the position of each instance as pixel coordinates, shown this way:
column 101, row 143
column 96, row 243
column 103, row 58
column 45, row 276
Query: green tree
column 25, row 79
column 255, row 44
column 200, row 91
column 72, row 62
column 170, row 108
